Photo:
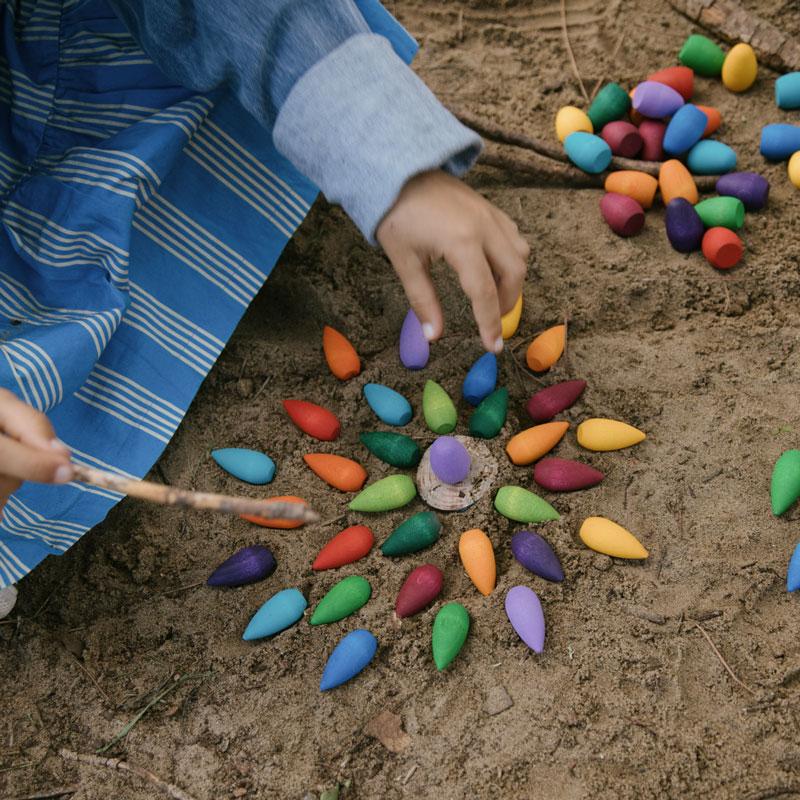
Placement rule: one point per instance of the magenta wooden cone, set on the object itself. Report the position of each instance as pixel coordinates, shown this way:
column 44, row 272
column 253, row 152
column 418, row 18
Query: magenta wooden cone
column 421, row 587
column 622, row 213
column 546, row 403
column 652, row 133
column 623, row 138
column 562, row 475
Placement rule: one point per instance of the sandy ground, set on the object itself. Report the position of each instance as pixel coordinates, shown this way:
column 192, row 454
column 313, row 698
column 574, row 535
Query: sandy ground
column 628, row 699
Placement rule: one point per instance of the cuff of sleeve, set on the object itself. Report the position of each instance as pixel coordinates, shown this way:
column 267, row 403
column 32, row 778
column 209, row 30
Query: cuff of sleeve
column 360, row 123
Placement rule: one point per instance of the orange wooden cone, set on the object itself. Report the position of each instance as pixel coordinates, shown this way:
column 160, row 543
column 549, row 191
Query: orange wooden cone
column 533, row 443
column 714, row 119
column 675, row 180
column 340, row 354
column 638, row 185
column 337, row 471
column 477, row 556
column 346, row 547
column 546, row 348
column 284, row 524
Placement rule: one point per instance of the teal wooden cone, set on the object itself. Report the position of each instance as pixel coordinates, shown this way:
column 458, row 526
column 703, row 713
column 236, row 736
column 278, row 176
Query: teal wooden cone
column 416, row 533
column 397, row 449
column 342, row 600
column 489, row 417
column 385, row 494
column 521, row 505
column 785, row 485
column 438, row 409
column 450, row 629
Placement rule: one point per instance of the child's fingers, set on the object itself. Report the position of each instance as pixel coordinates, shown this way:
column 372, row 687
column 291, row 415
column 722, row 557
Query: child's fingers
column 26, row 424
column 508, row 268
column 7, row 487
column 478, row 284
column 511, row 230
column 421, row 294
column 27, row 463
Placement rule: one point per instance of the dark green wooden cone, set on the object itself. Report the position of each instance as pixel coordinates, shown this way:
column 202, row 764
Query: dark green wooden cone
column 785, row 487
column 490, row 415
column 450, row 629
column 416, row 533
column 343, row 599
column 612, row 102
column 396, row 449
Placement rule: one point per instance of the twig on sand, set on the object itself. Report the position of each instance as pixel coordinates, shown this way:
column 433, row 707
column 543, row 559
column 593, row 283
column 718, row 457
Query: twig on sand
column 124, row 766
column 729, row 21
column 570, row 54
column 332, row 520
column 773, row 791
column 721, row 659
column 48, row 794
column 89, row 675
column 263, row 386
column 183, row 588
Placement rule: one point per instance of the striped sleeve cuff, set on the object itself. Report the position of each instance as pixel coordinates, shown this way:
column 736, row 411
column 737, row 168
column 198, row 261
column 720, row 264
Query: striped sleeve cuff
column 360, row 124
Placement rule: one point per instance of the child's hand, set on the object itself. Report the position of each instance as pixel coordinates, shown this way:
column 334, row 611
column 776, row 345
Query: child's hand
column 438, row 216
column 29, row 450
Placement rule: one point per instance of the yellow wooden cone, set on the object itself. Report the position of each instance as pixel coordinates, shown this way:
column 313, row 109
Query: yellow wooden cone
column 607, row 537
column 570, row 119
column 477, row 556
column 510, row 321
column 607, row 434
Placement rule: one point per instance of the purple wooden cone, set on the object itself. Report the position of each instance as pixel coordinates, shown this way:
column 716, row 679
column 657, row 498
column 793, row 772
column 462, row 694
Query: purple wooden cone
column 656, row 100
column 545, row 404
column 414, row 347
column 535, row 554
column 685, row 229
column 450, row 460
column 750, row 187
column 247, row 565
column 524, row 612
column 562, row 475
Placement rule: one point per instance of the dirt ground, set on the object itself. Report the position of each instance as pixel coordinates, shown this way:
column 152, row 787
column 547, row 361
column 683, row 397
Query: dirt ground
column 628, row 700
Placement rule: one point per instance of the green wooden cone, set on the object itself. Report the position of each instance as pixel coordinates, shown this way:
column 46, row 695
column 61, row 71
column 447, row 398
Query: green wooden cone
column 724, row 212
column 610, row 103
column 343, row 599
column 521, row 505
column 785, row 487
column 438, row 409
column 702, row 55
column 490, row 415
column 396, row 449
column 416, row 533
column 450, row 629
column 385, row 494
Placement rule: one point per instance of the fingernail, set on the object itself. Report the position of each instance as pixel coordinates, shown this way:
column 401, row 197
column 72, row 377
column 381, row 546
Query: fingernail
column 427, row 331
column 498, row 345
column 57, row 444
column 63, row 474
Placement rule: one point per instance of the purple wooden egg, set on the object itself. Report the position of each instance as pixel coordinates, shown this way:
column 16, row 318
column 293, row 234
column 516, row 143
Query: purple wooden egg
column 656, row 100
column 750, row 187
column 563, row 475
column 450, row 460
column 652, row 133
column 535, row 554
column 524, row 612
column 247, row 565
column 414, row 347
column 546, row 403
column 685, row 229
column 623, row 138
column 622, row 213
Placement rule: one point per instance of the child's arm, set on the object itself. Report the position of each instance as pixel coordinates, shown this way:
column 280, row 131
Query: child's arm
column 351, row 115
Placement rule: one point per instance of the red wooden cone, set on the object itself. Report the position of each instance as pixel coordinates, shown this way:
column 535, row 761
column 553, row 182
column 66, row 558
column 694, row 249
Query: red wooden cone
column 561, row 475
column 346, row 547
column 681, row 79
column 312, row 419
column 421, row 587
column 545, row 404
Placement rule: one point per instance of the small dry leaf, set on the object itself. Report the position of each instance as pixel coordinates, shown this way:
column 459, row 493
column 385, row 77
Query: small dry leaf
column 387, row 728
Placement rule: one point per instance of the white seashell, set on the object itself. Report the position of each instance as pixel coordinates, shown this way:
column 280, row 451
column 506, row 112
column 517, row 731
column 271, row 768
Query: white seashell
column 8, row 599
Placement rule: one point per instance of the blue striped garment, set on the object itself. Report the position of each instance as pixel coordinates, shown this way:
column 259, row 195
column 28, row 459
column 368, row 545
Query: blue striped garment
column 138, row 222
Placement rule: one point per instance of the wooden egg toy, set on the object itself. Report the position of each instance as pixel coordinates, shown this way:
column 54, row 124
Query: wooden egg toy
column 638, row 185
column 622, row 213
column 724, row 212
column 722, row 248
column 623, row 138
column 656, row 100
column 389, row 406
column 607, row 434
column 740, row 68
column 652, row 132
column 685, row 129
column 750, row 187
column 702, row 55
column 546, row 348
column 546, row 403
column 674, row 180
column 414, row 347
column 710, row 157
column 610, row 103
column 342, row 358
column 313, row 420
column 477, row 555
column 450, row 460
column 794, row 170
column 779, row 141
column 337, row 471
column 570, row 119
column 588, row 152
column 787, row 91
column 510, row 322
column 531, row 444
column 714, row 119
column 605, row 536
column 681, row 79
column 685, row 229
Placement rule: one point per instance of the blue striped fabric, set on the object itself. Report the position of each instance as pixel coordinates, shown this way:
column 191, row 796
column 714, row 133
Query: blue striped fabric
column 137, row 222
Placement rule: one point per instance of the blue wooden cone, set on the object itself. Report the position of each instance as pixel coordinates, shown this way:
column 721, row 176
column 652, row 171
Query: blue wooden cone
column 246, row 465
column 348, row 658
column 281, row 611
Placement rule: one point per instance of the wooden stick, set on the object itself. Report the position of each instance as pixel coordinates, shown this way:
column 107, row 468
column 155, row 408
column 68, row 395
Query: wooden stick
column 570, row 54
column 729, row 21
column 124, row 766
column 541, row 172
column 48, row 794
column 183, row 498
